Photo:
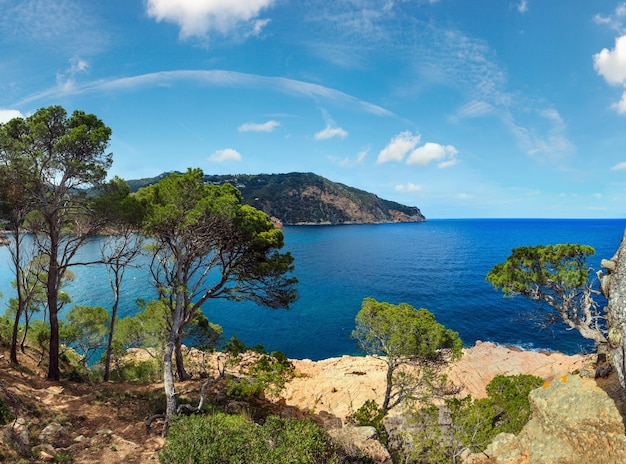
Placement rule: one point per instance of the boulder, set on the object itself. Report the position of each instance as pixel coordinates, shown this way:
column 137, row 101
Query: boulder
column 573, row 421
column 361, row 442
column 56, row 435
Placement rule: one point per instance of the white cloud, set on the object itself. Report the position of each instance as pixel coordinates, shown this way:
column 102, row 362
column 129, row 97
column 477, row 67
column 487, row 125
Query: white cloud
column 228, row 154
column 329, row 132
column 522, row 6
column 614, row 21
column 268, row 126
column 199, row 17
column 620, row 106
column 398, row 147
column 464, row 196
column 433, row 152
column 409, row 188
column 6, row 115
column 611, row 64
column 619, row 166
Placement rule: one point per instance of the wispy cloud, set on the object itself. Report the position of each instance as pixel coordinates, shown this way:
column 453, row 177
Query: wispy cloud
column 329, row 132
column 474, row 109
column 409, row 188
column 619, row 166
column 64, row 25
column 268, row 126
column 350, row 162
column 217, row 78
column 615, row 20
column 522, row 6
column 222, row 156
column 197, row 18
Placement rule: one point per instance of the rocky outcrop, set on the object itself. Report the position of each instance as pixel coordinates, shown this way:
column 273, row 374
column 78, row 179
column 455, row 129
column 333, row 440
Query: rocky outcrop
column 340, row 386
column 613, row 286
column 361, row 444
column 573, row 421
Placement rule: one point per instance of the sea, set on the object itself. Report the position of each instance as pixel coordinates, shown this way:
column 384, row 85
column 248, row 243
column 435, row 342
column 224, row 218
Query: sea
column 439, row 265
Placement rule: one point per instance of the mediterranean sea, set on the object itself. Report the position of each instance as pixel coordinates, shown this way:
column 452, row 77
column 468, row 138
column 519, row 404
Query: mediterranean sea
column 439, row 265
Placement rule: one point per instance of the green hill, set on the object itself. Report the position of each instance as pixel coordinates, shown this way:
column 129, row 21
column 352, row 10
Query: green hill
column 306, row 198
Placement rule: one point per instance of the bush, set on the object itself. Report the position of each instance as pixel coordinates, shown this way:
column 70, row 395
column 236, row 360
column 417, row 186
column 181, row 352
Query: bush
column 370, row 415
column 267, row 373
column 224, row 439
column 443, row 432
column 6, row 415
column 143, row 372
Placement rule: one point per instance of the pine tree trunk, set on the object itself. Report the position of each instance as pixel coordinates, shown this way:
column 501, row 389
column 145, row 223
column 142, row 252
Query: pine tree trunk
column 180, row 365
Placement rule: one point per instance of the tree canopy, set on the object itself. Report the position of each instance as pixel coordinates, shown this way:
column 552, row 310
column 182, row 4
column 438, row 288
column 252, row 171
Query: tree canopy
column 52, row 156
column 401, row 334
column 557, row 277
column 206, row 244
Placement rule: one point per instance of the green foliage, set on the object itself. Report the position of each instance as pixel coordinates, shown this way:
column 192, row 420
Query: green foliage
column 402, row 332
column 6, row 415
column 116, row 206
column 143, row 372
column 39, row 334
column 542, row 266
column 85, row 330
column 400, row 335
column 443, row 432
column 508, row 395
column 370, row 415
column 226, row 439
column 556, row 277
column 234, row 346
column 267, row 373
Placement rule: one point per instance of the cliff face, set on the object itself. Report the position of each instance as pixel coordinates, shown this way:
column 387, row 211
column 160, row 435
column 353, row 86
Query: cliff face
column 306, row 198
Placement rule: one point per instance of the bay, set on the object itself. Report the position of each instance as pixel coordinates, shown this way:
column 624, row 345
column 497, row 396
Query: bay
column 439, row 265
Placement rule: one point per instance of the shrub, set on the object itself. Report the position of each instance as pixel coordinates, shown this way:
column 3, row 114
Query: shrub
column 370, row 415
column 143, row 372
column 6, row 415
column 225, row 439
column 443, row 432
column 267, row 373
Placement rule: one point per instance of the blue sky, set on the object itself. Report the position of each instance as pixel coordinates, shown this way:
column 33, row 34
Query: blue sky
column 482, row 108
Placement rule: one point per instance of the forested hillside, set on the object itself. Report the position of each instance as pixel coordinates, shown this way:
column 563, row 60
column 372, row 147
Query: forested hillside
column 306, row 198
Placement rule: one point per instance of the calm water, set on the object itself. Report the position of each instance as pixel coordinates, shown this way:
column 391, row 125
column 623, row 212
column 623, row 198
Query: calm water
column 439, row 265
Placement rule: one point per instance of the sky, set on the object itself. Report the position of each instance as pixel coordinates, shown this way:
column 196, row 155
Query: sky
column 465, row 109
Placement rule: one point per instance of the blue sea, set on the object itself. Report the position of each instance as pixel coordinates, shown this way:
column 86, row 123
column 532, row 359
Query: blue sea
column 439, row 265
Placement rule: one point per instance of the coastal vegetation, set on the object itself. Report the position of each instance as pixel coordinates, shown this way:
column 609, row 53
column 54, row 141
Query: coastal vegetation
column 400, row 335
column 206, row 239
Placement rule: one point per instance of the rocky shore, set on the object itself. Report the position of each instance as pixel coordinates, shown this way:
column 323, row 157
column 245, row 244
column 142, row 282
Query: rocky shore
column 339, row 386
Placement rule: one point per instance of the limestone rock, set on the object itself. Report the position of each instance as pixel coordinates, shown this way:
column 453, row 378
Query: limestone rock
column 56, row 435
column 361, row 442
column 573, row 421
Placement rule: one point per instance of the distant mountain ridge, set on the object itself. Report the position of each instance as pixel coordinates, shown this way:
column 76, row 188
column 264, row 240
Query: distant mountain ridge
column 306, row 198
